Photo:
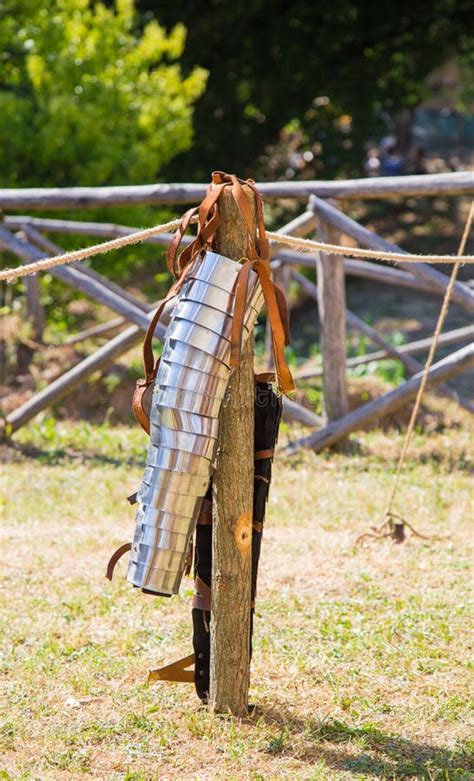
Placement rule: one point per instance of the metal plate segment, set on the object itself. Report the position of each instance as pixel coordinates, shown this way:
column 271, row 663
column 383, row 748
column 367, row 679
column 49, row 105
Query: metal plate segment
column 177, row 460
column 179, row 440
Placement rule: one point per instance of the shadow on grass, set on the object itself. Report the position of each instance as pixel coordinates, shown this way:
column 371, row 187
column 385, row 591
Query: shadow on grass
column 53, row 456
column 372, row 752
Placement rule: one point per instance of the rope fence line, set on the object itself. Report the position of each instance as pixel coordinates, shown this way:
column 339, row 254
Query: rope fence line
column 434, row 344
column 304, row 245
column 309, row 245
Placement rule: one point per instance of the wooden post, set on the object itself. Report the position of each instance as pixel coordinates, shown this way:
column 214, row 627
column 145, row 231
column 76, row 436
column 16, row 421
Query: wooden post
column 34, row 307
column 461, row 295
column 233, row 505
column 332, row 317
column 410, row 363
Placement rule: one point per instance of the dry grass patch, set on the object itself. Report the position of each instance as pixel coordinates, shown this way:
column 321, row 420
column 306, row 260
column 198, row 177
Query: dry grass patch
column 361, row 665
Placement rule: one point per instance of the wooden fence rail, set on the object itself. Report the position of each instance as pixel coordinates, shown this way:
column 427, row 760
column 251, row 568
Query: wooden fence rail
column 453, row 364
column 458, row 183
column 366, row 238
column 353, row 321
column 31, row 244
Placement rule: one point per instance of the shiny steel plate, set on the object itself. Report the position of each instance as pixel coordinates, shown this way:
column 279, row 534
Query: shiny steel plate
column 180, row 440
column 159, row 581
column 179, row 504
column 216, row 298
column 195, row 359
column 181, row 526
column 217, row 269
column 187, row 421
column 156, row 478
column 162, row 538
column 177, row 460
column 159, row 519
column 188, row 401
column 205, row 293
column 208, row 317
column 167, row 559
column 202, row 338
column 158, row 498
column 174, row 375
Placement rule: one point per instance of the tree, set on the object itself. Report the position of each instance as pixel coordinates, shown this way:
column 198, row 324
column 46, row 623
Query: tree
column 86, row 97
column 328, row 70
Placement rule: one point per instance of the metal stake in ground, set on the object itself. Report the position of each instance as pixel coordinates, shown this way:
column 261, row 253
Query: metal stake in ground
column 232, row 503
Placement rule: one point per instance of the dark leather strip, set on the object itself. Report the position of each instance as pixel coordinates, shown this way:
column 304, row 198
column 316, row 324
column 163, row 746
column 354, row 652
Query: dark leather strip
column 115, row 558
column 202, row 595
column 261, row 454
column 205, row 514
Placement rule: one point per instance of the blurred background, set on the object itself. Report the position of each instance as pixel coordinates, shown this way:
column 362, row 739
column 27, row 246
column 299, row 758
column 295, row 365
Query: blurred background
column 132, row 92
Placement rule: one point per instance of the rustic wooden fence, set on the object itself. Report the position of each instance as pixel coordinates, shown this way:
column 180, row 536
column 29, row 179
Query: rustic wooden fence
column 28, row 239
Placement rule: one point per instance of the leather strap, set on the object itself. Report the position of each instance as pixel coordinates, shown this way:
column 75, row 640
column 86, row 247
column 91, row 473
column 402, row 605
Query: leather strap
column 149, row 364
column 265, row 377
column 283, row 309
column 260, row 455
column 175, row 242
column 202, row 595
column 115, row 558
column 205, row 514
column 258, row 258
column 278, row 330
column 174, row 672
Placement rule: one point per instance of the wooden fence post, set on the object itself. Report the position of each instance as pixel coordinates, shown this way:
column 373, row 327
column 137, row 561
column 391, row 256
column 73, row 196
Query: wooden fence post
column 232, row 508
column 34, row 307
column 332, row 317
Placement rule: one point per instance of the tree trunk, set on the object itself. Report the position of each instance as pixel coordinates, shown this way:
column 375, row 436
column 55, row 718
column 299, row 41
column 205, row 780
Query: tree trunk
column 232, row 509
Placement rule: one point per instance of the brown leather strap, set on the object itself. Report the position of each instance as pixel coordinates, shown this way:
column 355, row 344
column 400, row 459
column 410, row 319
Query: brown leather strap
column 283, row 309
column 202, row 595
column 174, row 672
column 205, row 514
column 115, row 557
column 260, row 455
column 175, row 242
column 265, row 377
column 241, row 288
column 149, row 364
column 208, row 223
column 259, row 255
column 279, row 336
column 263, row 245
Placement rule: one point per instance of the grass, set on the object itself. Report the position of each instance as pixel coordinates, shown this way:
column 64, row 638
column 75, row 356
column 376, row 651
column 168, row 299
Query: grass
column 361, row 665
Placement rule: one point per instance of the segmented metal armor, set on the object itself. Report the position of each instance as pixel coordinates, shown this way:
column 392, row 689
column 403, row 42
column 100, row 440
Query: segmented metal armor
column 189, row 388
column 216, row 304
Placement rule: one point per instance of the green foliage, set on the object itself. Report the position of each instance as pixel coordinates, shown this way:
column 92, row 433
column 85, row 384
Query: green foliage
column 87, row 98
column 90, row 96
column 334, row 73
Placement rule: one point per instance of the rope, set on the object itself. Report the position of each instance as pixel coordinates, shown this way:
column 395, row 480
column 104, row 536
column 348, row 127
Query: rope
column 10, row 274
column 309, row 245
column 389, row 515
column 306, row 245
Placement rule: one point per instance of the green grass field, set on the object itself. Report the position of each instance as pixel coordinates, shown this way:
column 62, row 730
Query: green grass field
column 361, row 663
